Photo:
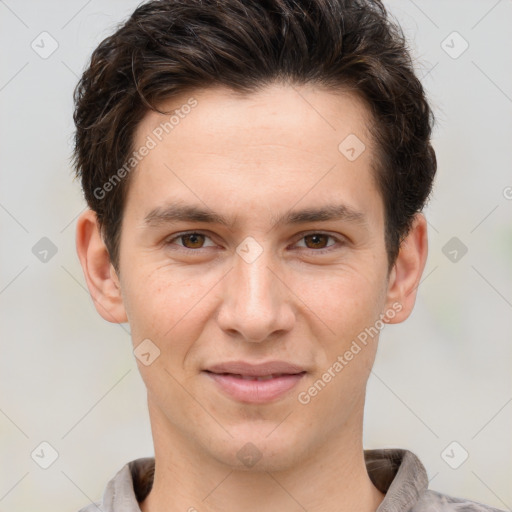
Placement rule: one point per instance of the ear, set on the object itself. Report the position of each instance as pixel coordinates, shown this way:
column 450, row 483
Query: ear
column 405, row 275
column 100, row 275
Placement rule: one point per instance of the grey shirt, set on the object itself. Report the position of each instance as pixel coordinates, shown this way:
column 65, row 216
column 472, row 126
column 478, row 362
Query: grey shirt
column 398, row 474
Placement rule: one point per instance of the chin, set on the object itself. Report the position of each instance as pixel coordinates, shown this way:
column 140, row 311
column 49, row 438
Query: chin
column 257, row 451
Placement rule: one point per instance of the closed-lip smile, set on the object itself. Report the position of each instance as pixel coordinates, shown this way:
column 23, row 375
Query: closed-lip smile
column 255, row 382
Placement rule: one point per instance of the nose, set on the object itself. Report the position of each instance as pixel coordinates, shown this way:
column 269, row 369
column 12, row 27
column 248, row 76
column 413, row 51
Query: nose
column 257, row 304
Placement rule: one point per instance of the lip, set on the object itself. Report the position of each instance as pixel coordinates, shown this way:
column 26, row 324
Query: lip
column 237, row 379
column 256, row 370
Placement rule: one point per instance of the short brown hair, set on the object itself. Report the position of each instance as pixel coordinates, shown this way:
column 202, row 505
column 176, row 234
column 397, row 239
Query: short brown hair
column 168, row 47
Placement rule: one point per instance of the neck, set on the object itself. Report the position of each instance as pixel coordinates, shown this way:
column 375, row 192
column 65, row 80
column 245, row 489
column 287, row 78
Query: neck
column 334, row 478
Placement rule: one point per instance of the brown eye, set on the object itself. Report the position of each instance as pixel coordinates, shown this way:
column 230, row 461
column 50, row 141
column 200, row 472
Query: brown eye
column 193, row 240
column 316, row 241
column 190, row 242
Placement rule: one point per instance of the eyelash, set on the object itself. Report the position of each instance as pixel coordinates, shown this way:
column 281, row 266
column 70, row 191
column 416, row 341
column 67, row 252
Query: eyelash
column 316, row 251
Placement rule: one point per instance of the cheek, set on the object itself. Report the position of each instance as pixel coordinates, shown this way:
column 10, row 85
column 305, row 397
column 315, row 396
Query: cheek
column 346, row 301
column 168, row 308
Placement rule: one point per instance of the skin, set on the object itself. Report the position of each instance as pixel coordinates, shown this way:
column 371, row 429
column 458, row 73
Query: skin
column 252, row 159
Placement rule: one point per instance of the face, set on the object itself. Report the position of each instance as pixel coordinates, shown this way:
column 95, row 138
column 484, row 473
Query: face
column 253, row 270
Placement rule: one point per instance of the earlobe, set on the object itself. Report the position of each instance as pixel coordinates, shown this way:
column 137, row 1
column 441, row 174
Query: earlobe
column 406, row 274
column 101, row 278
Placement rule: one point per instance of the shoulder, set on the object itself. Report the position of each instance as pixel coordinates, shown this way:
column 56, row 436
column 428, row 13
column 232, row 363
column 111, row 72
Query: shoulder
column 129, row 486
column 433, row 501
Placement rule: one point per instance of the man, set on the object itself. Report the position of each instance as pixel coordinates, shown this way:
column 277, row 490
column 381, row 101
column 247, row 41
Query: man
column 255, row 173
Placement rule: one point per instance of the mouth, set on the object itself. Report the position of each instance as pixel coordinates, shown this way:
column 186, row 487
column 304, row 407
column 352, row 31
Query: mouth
column 255, row 383
column 259, row 378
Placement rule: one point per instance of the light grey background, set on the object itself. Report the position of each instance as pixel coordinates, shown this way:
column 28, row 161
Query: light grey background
column 69, row 378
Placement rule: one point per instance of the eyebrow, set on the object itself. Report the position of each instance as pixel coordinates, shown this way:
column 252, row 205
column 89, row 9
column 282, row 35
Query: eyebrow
column 176, row 212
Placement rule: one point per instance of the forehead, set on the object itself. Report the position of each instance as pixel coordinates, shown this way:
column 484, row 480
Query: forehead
column 279, row 142
column 306, row 116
